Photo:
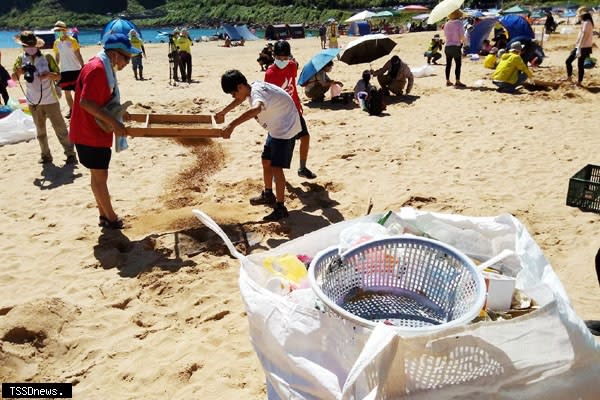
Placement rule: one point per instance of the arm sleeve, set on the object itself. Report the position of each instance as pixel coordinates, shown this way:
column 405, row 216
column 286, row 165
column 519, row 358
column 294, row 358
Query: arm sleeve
column 95, row 87
column 18, row 63
column 52, row 66
column 74, row 44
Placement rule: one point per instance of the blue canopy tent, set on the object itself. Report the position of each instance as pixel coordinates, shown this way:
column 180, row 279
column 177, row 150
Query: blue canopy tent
column 359, row 28
column 233, row 33
column 119, row 25
column 517, row 27
column 245, row 32
column 518, row 30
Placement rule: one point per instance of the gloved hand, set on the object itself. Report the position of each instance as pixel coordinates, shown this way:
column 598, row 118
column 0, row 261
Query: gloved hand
column 578, row 52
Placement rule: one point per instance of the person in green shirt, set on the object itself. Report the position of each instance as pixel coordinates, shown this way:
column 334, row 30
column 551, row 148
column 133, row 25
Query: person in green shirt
column 511, row 70
column 136, row 60
column 184, row 44
column 433, row 52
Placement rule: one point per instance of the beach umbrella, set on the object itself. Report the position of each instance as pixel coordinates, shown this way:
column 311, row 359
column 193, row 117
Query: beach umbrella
column 443, row 9
column 413, row 9
column 361, row 16
column 421, row 17
column 383, row 14
column 367, row 48
column 475, row 13
column 316, row 64
column 515, row 10
column 119, row 25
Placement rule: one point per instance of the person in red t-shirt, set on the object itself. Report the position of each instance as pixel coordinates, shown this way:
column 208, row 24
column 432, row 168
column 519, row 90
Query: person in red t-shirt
column 283, row 74
column 95, row 88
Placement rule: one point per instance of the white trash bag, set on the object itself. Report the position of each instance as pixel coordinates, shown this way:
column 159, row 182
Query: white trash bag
column 16, row 127
column 548, row 354
column 421, row 72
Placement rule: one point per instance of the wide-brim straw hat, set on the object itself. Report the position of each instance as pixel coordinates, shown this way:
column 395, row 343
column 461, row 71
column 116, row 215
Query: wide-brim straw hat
column 456, row 14
column 59, row 26
column 583, row 10
column 28, row 39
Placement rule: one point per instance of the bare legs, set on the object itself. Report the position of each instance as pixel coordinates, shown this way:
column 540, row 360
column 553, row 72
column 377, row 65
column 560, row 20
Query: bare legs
column 270, row 173
column 304, row 145
column 99, row 179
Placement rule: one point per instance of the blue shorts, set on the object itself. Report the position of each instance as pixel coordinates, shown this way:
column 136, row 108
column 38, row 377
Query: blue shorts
column 93, row 157
column 279, row 151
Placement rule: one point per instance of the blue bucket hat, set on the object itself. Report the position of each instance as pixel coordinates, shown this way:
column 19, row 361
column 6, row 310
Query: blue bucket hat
column 119, row 41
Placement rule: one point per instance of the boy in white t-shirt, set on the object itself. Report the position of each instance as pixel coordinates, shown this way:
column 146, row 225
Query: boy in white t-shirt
column 275, row 111
column 68, row 57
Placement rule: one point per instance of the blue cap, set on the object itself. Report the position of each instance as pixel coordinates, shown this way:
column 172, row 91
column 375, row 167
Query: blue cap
column 119, row 41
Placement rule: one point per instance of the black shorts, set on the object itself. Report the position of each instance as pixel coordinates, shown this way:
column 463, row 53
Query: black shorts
column 68, row 80
column 93, row 157
column 304, row 131
column 279, row 151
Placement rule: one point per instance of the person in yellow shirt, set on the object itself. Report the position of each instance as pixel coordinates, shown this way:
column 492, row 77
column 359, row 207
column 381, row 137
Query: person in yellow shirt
column 332, row 35
column 136, row 60
column 183, row 43
column 68, row 57
column 491, row 59
column 511, row 70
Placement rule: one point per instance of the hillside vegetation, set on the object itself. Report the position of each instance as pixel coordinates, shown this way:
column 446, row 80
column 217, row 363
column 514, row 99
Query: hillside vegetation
column 18, row 14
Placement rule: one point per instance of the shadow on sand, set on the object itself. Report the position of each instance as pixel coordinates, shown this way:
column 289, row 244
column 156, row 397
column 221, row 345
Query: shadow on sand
column 54, row 176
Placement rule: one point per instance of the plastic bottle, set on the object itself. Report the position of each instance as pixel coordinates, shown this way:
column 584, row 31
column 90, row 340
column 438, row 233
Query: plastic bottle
column 287, row 266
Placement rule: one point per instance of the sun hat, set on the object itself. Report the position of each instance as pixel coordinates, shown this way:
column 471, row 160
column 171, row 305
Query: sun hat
column 59, row 26
column 494, row 50
column 133, row 32
column 28, row 39
column 456, row 14
column 516, row 46
column 118, row 41
column 582, row 10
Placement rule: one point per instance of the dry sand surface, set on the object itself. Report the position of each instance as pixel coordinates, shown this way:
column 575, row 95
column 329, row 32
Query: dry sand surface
column 154, row 311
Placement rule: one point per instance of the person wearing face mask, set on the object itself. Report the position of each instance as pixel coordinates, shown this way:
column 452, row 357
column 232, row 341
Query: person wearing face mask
column 40, row 72
column 283, row 73
column 68, row 57
column 96, row 88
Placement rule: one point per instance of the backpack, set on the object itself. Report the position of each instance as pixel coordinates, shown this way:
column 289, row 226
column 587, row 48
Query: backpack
column 375, row 104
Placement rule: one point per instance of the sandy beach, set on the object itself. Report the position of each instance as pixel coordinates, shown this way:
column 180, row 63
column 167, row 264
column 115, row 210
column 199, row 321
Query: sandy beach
column 154, row 311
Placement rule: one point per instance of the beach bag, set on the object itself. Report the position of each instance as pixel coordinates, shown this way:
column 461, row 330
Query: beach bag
column 308, row 353
column 375, row 102
column 589, row 63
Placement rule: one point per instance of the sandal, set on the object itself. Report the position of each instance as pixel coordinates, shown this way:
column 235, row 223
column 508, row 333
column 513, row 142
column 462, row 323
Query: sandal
column 448, row 83
column 116, row 224
column 106, row 223
column 460, row 84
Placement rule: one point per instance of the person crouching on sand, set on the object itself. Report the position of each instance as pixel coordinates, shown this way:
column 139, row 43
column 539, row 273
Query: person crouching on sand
column 511, row 70
column 275, row 111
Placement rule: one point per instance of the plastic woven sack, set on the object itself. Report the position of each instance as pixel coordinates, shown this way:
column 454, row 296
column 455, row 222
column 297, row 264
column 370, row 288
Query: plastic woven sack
column 310, row 354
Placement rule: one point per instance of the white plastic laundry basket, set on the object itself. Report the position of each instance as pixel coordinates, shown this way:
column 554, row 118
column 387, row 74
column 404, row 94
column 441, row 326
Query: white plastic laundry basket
column 416, row 284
